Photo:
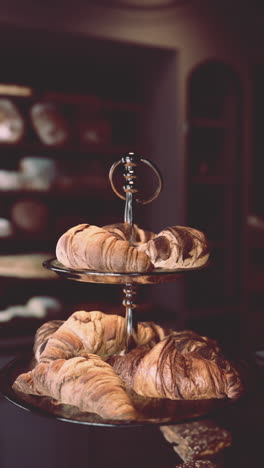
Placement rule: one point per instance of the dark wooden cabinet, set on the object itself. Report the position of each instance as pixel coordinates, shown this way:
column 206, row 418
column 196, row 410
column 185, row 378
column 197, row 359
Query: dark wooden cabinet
column 255, row 217
column 214, row 185
column 103, row 119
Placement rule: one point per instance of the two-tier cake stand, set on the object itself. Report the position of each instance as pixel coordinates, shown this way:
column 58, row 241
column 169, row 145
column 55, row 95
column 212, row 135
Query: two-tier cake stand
column 153, row 410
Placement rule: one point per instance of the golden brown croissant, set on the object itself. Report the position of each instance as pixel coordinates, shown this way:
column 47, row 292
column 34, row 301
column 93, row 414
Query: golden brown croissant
column 86, row 382
column 181, row 366
column 43, row 333
column 124, row 248
column 130, row 232
column 177, row 247
column 94, row 248
column 97, row 333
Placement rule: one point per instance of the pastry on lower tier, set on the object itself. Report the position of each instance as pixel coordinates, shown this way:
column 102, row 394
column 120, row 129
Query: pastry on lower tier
column 43, row 334
column 91, row 332
column 72, row 369
column 86, row 382
column 183, row 365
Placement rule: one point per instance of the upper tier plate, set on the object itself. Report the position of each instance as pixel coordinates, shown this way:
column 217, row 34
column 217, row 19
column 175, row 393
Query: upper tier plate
column 159, row 275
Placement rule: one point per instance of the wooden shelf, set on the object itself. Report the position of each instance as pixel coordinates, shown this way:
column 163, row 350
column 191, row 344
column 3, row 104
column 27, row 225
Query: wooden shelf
column 26, row 266
column 60, row 151
column 80, row 187
column 91, row 192
column 211, row 180
column 209, row 123
column 96, row 103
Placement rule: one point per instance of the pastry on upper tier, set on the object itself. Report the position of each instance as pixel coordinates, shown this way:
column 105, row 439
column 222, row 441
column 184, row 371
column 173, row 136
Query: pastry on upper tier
column 177, row 247
column 122, row 248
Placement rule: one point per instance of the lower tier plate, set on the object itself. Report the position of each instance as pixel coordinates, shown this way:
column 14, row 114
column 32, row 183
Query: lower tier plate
column 153, row 411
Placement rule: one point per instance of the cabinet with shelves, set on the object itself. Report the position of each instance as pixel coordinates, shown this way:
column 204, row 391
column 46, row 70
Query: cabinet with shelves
column 47, row 188
column 255, row 220
column 214, row 172
column 66, row 178
column 119, row 82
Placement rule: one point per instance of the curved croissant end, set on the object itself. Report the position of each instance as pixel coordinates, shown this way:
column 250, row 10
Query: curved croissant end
column 94, row 248
column 91, row 332
column 178, row 247
column 86, row 382
column 171, row 370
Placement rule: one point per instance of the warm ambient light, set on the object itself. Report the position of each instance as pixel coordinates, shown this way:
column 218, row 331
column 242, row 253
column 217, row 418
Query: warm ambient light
column 141, row 4
column 15, row 90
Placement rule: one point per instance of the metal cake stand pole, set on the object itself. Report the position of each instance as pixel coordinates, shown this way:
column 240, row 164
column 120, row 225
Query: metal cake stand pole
column 130, row 162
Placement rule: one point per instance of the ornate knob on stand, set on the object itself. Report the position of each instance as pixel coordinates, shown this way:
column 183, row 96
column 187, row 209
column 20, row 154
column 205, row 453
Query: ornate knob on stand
column 131, row 324
column 130, row 161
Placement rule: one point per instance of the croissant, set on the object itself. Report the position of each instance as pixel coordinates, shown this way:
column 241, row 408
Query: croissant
column 124, row 248
column 93, row 332
column 130, row 232
column 43, row 333
column 94, row 248
column 86, row 382
column 181, row 366
column 177, row 247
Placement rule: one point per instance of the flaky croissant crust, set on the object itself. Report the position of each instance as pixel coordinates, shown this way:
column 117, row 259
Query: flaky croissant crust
column 91, row 247
column 91, row 332
column 68, row 370
column 183, row 365
column 125, row 248
column 86, row 382
column 80, row 362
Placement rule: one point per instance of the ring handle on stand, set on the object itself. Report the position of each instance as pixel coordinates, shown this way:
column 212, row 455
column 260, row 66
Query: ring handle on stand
column 130, row 161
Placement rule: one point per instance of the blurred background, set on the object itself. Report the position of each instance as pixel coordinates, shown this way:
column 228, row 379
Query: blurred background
column 82, row 83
